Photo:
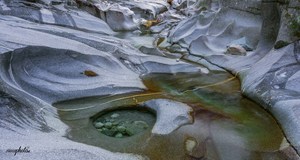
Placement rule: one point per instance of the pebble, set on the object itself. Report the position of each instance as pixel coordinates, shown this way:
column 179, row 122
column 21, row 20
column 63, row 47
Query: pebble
column 99, row 125
column 235, row 49
column 119, row 135
column 108, row 124
column 190, row 144
column 141, row 124
column 121, row 128
column 204, row 70
column 115, row 115
column 129, row 132
column 108, row 132
column 115, row 123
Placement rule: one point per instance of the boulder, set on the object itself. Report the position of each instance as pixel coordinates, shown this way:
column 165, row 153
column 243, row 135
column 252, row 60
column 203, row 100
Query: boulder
column 170, row 115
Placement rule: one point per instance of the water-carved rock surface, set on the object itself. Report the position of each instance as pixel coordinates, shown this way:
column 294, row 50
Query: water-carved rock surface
column 170, row 115
column 62, row 65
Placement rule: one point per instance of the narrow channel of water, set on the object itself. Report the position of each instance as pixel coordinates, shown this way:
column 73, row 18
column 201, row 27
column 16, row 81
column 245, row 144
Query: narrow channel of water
column 226, row 124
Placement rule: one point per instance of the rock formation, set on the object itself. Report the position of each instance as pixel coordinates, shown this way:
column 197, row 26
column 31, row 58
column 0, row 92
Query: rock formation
column 56, row 50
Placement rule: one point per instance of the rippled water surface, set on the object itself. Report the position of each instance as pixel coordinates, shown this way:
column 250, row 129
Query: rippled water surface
column 226, row 124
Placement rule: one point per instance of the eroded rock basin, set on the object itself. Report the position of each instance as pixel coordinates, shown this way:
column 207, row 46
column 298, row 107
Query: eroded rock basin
column 226, row 124
column 193, row 115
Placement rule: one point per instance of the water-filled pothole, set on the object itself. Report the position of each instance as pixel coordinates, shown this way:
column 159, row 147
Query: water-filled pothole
column 124, row 123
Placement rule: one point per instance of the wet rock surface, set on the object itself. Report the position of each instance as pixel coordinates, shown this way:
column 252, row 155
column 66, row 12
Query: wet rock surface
column 63, row 63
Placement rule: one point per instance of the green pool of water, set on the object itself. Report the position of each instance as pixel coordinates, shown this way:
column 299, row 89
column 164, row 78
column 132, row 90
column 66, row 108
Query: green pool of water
column 226, row 124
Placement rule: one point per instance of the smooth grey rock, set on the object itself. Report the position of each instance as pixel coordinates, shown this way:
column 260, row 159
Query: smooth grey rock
column 54, row 75
column 242, row 42
column 85, row 21
column 170, row 115
column 123, row 60
column 151, row 51
column 287, row 112
column 209, row 33
column 120, row 20
column 158, row 28
column 293, row 82
column 253, row 7
column 289, row 25
column 59, row 16
column 125, row 15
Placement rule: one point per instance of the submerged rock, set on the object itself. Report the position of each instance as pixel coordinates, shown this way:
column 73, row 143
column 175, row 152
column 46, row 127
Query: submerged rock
column 190, row 145
column 141, row 124
column 114, row 115
column 128, row 123
column 99, row 125
column 108, row 125
column 119, row 135
column 121, row 129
